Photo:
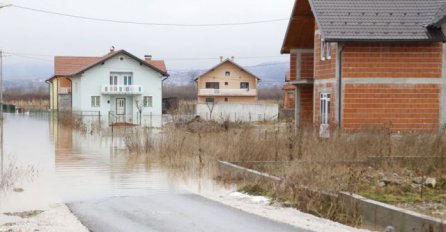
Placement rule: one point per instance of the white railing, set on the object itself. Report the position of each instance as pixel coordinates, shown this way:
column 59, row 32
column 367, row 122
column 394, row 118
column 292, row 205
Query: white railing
column 227, row 92
column 64, row 90
column 122, row 89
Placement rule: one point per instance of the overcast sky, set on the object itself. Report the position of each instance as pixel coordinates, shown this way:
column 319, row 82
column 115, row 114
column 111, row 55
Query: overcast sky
column 31, row 33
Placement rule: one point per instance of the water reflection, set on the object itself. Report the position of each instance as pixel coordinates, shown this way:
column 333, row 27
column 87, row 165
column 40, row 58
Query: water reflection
column 73, row 166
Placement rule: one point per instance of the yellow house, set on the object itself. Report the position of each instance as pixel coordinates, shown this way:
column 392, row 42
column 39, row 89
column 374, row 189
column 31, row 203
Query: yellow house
column 227, row 82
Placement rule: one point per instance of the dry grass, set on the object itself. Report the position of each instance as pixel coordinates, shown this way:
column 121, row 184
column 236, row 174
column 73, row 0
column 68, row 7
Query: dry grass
column 12, row 173
column 30, row 104
column 339, row 163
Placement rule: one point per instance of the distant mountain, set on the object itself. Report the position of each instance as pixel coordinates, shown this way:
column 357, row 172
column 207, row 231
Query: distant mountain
column 27, row 71
column 27, row 75
column 271, row 74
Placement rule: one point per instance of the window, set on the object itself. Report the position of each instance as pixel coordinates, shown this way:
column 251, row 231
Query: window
column 325, row 50
column 244, row 85
column 113, row 80
column 226, row 83
column 212, row 85
column 328, row 51
column 325, row 108
column 226, row 99
column 147, row 101
column 127, row 80
column 227, row 73
column 209, row 100
column 95, row 101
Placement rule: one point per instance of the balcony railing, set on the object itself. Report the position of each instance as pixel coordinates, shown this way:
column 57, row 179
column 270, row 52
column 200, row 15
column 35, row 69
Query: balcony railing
column 122, row 89
column 227, row 92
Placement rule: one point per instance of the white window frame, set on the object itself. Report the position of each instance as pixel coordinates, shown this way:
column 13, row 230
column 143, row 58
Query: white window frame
column 325, row 108
column 328, row 51
column 146, row 101
column 95, row 101
column 323, row 49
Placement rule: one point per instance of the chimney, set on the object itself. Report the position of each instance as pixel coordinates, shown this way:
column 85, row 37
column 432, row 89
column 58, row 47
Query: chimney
column 232, row 58
column 112, row 48
column 221, row 58
column 148, row 57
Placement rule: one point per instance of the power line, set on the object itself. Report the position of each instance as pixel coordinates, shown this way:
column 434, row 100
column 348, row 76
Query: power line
column 150, row 23
column 35, row 56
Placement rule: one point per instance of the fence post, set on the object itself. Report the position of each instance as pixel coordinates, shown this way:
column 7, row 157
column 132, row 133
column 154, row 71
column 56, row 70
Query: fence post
column 99, row 118
column 249, row 116
column 235, row 116
column 151, row 124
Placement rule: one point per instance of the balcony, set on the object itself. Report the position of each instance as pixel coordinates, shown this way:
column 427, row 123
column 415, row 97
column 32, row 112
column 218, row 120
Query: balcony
column 64, row 90
column 122, row 89
column 227, row 92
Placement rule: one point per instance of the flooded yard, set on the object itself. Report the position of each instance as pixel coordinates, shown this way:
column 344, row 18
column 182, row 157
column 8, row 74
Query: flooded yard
column 69, row 165
column 109, row 189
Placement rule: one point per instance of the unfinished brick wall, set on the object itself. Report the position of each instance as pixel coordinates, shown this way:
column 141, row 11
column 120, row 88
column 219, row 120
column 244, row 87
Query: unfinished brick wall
column 289, row 96
column 306, row 105
column 405, row 108
column 307, row 66
column 392, row 60
column 293, row 67
column 323, row 68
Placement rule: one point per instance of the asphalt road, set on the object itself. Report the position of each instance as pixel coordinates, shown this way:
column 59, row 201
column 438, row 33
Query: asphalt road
column 169, row 212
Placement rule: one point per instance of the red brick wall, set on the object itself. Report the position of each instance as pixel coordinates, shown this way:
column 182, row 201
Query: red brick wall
column 306, row 105
column 293, row 71
column 288, row 96
column 327, row 68
column 397, row 60
column 307, row 66
column 326, row 88
column 404, row 108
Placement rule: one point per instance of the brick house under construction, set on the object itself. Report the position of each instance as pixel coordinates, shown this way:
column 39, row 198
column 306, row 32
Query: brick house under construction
column 368, row 64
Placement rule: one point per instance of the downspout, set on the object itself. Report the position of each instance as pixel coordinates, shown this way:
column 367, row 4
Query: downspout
column 340, row 100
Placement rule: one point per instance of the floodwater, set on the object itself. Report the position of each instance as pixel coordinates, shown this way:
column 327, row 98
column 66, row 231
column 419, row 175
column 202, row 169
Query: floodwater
column 68, row 166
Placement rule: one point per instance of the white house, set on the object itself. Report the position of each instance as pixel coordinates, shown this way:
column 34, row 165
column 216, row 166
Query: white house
column 118, row 86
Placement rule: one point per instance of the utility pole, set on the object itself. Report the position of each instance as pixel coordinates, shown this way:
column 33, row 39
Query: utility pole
column 1, row 109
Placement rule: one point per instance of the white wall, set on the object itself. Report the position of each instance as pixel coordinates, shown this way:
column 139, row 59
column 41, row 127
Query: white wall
column 91, row 82
column 238, row 112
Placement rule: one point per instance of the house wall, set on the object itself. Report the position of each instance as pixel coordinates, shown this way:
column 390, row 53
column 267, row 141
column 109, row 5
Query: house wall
column 289, row 96
column 230, row 99
column 53, row 94
column 401, row 107
column 392, row 85
column 323, row 68
column 392, row 60
column 293, row 65
column 237, row 76
column 325, row 75
column 306, row 105
column 90, row 84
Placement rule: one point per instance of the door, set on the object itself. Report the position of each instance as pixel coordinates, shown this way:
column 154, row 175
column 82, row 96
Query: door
column 120, row 106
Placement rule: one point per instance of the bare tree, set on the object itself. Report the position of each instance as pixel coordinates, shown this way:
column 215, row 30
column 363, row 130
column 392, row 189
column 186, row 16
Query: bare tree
column 140, row 107
column 211, row 106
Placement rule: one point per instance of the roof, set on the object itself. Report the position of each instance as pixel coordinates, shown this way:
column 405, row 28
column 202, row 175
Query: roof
column 371, row 20
column 75, row 65
column 300, row 32
column 158, row 64
column 440, row 17
column 227, row 61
